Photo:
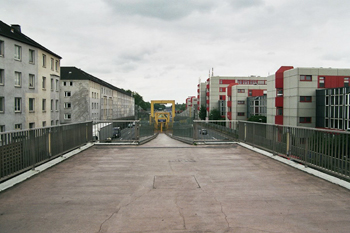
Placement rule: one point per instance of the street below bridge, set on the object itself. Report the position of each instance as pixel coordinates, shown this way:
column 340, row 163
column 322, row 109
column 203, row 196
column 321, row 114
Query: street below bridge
column 169, row 186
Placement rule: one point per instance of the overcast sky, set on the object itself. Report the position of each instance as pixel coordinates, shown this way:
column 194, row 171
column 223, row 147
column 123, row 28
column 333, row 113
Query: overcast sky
column 161, row 48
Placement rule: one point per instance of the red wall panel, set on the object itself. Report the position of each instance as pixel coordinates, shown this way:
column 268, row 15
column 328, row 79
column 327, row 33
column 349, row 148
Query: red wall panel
column 279, row 120
column 279, row 102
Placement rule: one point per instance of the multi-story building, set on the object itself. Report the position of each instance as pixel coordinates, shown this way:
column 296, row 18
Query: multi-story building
column 237, row 98
column 29, row 81
column 257, row 106
column 333, row 108
column 216, row 90
column 85, row 97
column 201, row 94
column 291, row 93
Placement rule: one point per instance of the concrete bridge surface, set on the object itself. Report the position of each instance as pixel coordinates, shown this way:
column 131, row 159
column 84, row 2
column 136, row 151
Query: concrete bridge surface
column 168, row 186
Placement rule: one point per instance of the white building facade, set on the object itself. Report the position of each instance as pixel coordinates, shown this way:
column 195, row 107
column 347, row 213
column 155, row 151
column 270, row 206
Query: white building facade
column 29, row 82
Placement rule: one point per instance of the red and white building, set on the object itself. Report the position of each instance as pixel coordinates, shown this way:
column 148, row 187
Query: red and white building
column 216, row 90
column 291, row 93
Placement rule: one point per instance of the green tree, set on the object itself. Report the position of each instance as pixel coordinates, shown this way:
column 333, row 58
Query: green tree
column 202, row 113
column 258, row 118
column 215, row 115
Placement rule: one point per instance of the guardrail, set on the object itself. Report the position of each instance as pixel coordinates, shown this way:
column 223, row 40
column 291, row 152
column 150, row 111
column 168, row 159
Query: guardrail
column 25, row 149
column 326, row 150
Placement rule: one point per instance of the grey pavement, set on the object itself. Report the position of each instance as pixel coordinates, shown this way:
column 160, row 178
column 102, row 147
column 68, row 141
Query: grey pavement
column 168, row 186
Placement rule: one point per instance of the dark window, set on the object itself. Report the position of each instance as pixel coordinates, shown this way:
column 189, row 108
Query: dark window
column 305, row 98
column 304, row 119
column 240, row 113
column 305, row 78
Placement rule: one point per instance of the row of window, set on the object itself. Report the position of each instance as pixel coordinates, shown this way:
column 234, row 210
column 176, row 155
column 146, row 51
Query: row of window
column 31, row 56
column 31, row 125
column 31, row 104
column 31, row 81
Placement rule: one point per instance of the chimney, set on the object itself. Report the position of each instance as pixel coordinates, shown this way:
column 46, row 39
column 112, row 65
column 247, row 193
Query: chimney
column 17, row 27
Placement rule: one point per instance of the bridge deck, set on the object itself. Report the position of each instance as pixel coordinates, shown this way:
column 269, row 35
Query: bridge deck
column 167, row 186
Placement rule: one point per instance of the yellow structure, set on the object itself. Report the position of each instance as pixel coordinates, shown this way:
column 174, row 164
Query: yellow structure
column 162, row 119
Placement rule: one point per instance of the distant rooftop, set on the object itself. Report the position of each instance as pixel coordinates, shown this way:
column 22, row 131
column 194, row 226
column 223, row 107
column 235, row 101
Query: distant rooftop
column 74, row 73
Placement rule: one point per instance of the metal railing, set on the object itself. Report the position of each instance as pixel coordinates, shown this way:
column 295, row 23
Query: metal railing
column 326, row 150
column 25, row 149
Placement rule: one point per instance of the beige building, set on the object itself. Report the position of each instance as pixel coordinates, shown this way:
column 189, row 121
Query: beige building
column 291, row 93
column 237, row 97
column 216, row 87
column 29, row 82
column 85, row 97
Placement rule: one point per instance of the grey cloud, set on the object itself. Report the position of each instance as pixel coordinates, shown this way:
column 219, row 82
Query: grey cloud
column 161, row 9
column 245, row 3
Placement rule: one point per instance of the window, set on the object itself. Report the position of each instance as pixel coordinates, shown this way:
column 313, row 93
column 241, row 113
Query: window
column 31, row 56
column 51, row 106
column 240, row 102
column 346, row 82
column 52, row 84
column 305, row 98
column 279, row 92
column 64, row 83
column 18, row 52
column 57, row 85
column 305, row 78
column 279, row 111
column 67, row 105
column 70, row 83
column 18, row 104
column 31, row 125
column 57, row 122
column 321, row 82
column 44, row 123
column 56, row 66
column 43, row 85
column 56, row 106
column 44, row 60
column 67, row 116
column 44, row 105
column 2, row 104
column 2, row 128
column 2, row 77
column 304, row 119
column 67, row 93
column 31, row 81
column 31, row 104
column 241, row 91
column 18, row 126
column 18, row 79
column 240, row 114
column 1, row 48
column 52, row 63
column 250, row 93
column 52, row 122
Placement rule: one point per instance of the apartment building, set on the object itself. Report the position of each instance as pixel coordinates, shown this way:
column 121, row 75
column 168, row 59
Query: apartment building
column 237, row 99
column 291, row 93
column 257, row 105
column 85, row 97
column 216, row 87
column 29, row 81
column 201, row 95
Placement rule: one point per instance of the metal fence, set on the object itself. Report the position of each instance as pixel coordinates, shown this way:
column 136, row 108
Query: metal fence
column 23, row 150
column 325, row 150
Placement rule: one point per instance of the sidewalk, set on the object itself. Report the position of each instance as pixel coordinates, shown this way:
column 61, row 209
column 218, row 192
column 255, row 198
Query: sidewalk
column 169, row 186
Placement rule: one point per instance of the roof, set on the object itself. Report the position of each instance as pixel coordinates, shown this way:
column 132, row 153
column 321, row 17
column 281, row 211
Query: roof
column 74, row 73
column 15, row 34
